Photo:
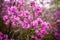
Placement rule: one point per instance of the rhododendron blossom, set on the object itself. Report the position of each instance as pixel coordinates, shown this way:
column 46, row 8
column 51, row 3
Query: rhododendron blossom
column 28, row 20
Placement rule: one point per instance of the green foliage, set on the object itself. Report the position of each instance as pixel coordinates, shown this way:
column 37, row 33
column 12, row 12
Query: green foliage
column 24, row 34
column 58, row 3
column 49, row 37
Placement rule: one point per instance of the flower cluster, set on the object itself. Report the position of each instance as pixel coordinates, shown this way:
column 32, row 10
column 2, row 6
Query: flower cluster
column 4, row 36
column 57, row 14
column 57, row 33
column 42, row 30
column 19, row 13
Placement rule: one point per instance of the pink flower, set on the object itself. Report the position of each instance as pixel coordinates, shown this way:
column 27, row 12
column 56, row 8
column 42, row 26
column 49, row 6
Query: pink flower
column 13, row 24
column 26, row 20
column 17, row 18
column 12, row 9
column 38, row 32
column 1, row 37
column 39, row 9
column 36, row 15
column 21, row 15
column 44, row 31
column 36, row 38
column 1, row 33
column 58, row 20
column 28, row 26
column 35, row 23
column 46, row 25
column 30, row 17
column 5, row 17
column 32, row 36
column 6, row 36
column 32, row 3
column 23, row 24
column 40, row 20
column 7, row 22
